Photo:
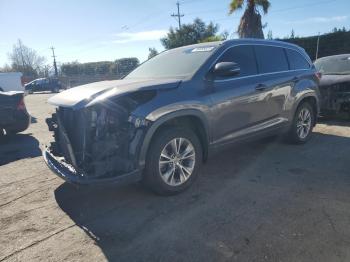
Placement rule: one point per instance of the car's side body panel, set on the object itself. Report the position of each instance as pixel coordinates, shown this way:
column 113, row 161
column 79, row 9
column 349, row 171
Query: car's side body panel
column 43, row 84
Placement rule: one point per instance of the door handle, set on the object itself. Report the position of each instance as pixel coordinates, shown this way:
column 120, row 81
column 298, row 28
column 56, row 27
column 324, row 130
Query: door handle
column 260, row 87
column 295, row 79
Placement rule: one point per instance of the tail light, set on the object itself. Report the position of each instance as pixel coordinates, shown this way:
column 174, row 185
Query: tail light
column 21, row 106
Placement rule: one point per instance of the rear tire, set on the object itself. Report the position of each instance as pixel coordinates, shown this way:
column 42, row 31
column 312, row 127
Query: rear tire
column 302, row 124
column 173, row 161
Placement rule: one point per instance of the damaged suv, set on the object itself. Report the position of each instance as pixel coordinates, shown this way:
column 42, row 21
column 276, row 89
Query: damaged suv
column 166, row 117
column 334, row 84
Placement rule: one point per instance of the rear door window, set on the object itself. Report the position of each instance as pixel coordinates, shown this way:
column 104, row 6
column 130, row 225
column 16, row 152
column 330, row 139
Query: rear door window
column 271, row 59
column 244, row 56
column 296, row 60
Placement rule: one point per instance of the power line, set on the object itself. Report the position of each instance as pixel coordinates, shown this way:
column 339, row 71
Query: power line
column 178, row 15
column 189, row 1
column 303, row 6
column 272, row 11
column 54, row 60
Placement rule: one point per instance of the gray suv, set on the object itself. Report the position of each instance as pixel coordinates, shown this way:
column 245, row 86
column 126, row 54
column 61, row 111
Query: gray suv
column 164, row 119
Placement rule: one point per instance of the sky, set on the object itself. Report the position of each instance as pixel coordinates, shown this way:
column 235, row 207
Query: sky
column 106, row 30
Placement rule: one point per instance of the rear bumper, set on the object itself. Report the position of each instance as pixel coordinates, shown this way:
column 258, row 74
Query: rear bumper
column 69, row 174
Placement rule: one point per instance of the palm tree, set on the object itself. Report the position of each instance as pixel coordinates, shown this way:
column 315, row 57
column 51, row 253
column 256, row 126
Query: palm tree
column 250, row 25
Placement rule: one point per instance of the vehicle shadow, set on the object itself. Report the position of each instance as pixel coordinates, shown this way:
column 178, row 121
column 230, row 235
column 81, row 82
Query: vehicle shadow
column 16, row 147
column 112, row 216
column 127, row 222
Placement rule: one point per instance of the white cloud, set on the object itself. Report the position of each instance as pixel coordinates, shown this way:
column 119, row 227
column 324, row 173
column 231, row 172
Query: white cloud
column 319, row 19
column 139, row 36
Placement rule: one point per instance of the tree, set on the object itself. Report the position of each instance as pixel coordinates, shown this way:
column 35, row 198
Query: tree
column 119, row 67
column 123, row 66
column 250, row 25
column 26, row 60
column 292, row 34
column 152, row 52
column 192, row 33
column 269, row 35
column 335, row 29
column 70, row 69
column 6, row 68
column 215, row 38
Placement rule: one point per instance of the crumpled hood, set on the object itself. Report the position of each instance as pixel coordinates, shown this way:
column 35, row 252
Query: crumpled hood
column 86, row 95
column 327, row 80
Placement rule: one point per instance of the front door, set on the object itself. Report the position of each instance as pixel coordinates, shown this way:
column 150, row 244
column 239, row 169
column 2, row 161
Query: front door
column 238, row 103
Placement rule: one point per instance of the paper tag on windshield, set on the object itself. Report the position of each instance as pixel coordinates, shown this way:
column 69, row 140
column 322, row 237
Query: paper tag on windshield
column 203, row 49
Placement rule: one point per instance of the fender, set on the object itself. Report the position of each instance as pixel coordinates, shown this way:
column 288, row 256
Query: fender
column 301, row 97
column 157, row 122
column 304, row 89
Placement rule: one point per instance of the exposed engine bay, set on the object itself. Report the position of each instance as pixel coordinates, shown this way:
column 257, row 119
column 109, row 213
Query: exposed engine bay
column 336, row 98
column 102, row 140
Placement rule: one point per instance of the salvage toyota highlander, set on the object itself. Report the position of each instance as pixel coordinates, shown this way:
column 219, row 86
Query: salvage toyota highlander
column 166, row 117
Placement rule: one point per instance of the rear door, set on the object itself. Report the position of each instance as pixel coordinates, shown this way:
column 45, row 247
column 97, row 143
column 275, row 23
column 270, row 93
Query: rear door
column 237, row 104
column 275, row 81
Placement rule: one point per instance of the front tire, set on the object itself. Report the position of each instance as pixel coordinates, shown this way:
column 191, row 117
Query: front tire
column 173, row 161
column 302, row 125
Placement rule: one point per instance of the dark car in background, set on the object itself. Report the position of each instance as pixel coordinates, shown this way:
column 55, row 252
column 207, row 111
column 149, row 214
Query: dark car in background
column 43, row 84
column 14, row 117
column 334, row 84
column 166, row 117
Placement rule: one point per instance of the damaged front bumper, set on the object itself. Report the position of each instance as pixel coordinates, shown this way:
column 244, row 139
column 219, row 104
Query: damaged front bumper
column 335, row 98
column 71, row 175
column 89, row 151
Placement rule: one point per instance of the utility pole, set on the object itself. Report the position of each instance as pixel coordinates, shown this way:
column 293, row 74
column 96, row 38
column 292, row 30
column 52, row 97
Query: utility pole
column 54, row 60
column 318, row 43
column 178, row 15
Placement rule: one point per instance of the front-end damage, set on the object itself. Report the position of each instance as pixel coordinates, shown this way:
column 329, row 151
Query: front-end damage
column 99, row 143
column 335, row 98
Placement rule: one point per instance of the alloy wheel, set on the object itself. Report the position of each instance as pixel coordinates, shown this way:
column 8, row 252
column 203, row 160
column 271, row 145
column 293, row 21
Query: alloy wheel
column 304, row 123
column 177, row 161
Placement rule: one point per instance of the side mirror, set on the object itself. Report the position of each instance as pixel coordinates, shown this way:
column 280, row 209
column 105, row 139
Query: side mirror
column 226, row 69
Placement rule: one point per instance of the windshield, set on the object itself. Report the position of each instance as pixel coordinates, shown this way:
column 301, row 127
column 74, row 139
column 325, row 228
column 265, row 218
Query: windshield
column 334, row 65
column 176, row 63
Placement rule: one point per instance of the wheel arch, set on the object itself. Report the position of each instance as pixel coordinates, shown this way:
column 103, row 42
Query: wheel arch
column 194, row 119
column 312, row 100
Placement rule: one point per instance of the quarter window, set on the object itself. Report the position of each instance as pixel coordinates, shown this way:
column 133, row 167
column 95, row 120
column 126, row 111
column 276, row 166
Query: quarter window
column 271, row 59
column 296, row 60
column 244, row 57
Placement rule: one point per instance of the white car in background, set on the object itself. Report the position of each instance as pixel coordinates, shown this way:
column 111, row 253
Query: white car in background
column 11, row 81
